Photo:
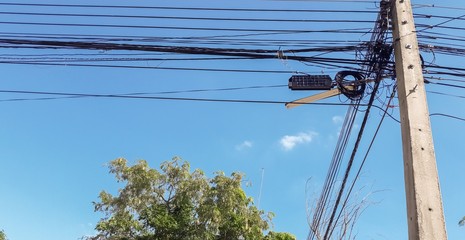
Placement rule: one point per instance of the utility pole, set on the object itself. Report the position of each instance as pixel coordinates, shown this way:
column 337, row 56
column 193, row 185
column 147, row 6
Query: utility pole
column 423, row 195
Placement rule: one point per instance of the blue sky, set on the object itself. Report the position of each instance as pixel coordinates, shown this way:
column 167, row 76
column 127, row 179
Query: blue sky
column 54, row 152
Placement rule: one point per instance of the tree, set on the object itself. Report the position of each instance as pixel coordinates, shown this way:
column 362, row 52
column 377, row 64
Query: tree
column 279, row 236
column 176, row 203
column 3, row 235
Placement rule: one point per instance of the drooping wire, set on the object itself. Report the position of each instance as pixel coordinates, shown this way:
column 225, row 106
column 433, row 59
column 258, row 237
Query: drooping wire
column 448, row 116
column 71, row 95
column 379, row 55
column 334, row 167
column 66, row 95
column 357, row 175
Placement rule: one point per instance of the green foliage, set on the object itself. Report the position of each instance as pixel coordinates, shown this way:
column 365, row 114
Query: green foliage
column 279, row 236
column 462, row 222
column 3, row 235
column 176, row 203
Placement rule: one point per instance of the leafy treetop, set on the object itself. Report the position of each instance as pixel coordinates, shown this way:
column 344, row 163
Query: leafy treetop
column 175, row 203
column 3, row 235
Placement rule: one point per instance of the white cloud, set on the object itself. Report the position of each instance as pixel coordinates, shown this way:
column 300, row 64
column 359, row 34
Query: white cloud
column 338, row 119
column 288, row 142
column 244, row 145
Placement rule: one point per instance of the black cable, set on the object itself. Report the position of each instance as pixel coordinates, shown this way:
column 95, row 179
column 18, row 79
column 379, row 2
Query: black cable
column 379, row 54
column 108, row 37
column 147, row 38
column 452, row 51
column 444, row 79
column 426, row 27
column 186, row 18
column 351, row 160
column 42, row 59
column 437, row 6
column 444, row 67
column 334, row 167
column 446, row 84
column 429, row 16
column 211, row 40
column 184, row 8
column 340, row 31
column 446, row 94
column 162, row 98
column 442, row 23
column 148, row 67
column 250, row 53
column 334, row 1
column 152, row 93
column 447, row 115
column 123, row 96
column 446, row 73
column 72, row 61
column 367, row 152
column 16, row 43
column 441, row 34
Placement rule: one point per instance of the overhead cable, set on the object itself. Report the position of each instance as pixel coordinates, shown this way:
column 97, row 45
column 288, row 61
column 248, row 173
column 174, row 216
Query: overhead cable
column 448, row 116
column 338, row 31
column 184, row 8
column 186, row 18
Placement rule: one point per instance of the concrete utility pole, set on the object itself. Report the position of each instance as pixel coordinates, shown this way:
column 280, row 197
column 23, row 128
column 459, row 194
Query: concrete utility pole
column 424, row 204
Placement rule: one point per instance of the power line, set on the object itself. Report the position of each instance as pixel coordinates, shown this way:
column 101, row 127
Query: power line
column 446, row 84
column 246, row 53
column 334, row 167
column 143, row 93
column 380, row 59
column 42, row 59
column 429, row 16
column 446, row 68
column 446, row 73
column 442, row 34
column 357, row 175
column 206, row 40
column 185, row 18
column 448, row 116
column 104, row 37
column 437, row 6
column 123, row 96
column 72, row 61
column 445, row 79
column 163, row 48
column 377, row 58
column 339, row 31
column 442, row 23
column 109, row 37
column 332, row 1
column 185, row 8
column 446, row 94
column 330, row 227
column 149, row 67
